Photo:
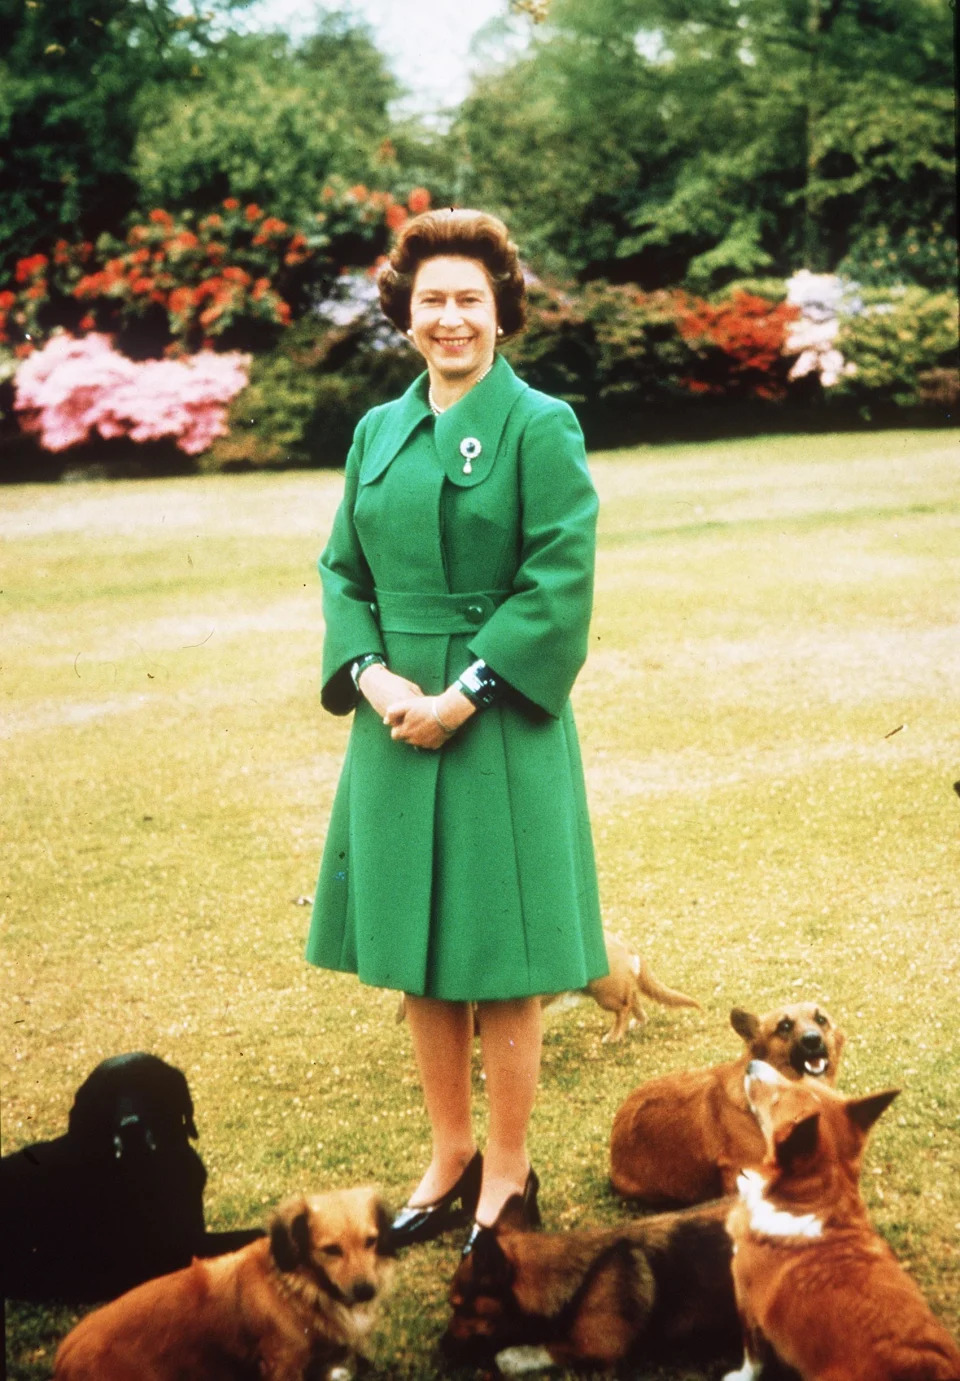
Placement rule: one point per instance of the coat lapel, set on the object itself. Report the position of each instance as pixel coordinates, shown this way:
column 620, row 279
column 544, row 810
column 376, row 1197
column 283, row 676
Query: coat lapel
column 399, row 421
column 468, row 434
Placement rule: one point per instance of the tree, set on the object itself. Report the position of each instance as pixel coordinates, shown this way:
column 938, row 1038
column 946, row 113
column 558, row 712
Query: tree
column 70, row 72
column 266, row 119
column 707, row 140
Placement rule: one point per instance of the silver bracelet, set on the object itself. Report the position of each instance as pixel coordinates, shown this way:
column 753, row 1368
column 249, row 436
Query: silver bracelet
column 436, row 714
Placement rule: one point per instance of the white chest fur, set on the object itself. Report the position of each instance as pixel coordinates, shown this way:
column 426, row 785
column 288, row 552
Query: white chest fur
column 768, row 1221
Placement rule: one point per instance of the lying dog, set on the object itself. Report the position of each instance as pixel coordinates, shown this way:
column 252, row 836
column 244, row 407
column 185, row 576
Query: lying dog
column 594, row 1298
column 618, row 991
column 296, row 1305
column 683, row 1138
column 816, row 1286
column 123, row 1187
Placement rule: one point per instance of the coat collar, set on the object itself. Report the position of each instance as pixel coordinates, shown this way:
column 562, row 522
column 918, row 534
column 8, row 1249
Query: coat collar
column 468, row 433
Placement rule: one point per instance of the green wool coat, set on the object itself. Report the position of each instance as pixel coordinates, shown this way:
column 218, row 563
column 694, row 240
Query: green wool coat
column 465, row 873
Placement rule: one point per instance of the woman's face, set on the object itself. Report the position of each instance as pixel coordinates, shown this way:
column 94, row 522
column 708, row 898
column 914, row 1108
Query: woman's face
column 453, row 317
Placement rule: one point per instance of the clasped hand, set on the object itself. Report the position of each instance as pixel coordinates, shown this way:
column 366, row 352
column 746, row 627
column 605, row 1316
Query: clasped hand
column 409, row 714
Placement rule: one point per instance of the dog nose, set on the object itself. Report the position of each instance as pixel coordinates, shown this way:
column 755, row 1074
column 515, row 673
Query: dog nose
column 363, row 1292
column 812, row 1042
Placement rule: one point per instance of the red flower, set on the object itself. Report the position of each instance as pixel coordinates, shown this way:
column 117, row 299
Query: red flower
column 419, row 200
column 181, row 300
column 7, row 299
column 396, row 216
column 231, row 204
column 358, row 193
column 28, row 268
column 88, row 322
column 253, row 212
column 159, row 217
column 183, row 241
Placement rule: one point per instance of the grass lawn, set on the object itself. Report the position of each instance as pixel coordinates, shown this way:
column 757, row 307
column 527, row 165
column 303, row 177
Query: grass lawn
column 770, row 720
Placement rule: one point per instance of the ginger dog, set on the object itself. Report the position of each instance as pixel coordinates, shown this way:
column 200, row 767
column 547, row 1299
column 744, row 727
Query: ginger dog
column 619, row 991
column 303, row 1298
column 683, row 1138
column 652, row 1287
column 816, row 1287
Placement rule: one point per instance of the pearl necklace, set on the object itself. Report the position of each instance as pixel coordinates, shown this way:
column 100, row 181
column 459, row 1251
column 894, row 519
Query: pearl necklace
column 438, row 410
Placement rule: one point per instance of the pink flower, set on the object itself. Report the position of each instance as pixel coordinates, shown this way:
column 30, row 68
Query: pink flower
column 73, row 388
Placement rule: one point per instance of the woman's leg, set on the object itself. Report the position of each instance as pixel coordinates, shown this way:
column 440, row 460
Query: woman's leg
column 510, row 1039
column 442, row 1035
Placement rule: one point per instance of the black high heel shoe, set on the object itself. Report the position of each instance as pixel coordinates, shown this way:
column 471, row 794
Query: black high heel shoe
column 521, row 1211
column 454, row 1208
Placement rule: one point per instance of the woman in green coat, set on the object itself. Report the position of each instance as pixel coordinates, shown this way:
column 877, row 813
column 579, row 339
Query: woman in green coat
column 458, row 579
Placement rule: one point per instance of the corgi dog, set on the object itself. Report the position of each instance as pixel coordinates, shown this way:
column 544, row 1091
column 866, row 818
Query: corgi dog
column 817, row 1289
column 683, row 1137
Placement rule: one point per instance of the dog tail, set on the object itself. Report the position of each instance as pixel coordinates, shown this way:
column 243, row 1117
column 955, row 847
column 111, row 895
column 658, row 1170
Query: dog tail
column 669, row 997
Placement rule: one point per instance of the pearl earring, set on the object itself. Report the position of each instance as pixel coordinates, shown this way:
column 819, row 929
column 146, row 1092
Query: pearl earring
column 410, row 332
column 499, row 330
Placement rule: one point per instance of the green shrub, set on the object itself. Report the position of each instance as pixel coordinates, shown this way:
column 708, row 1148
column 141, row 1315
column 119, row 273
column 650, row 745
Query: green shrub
column 899, row 343
column 306, row 396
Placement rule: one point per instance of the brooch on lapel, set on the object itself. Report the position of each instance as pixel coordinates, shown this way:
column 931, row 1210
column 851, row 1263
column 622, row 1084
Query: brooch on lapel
column 470, row 448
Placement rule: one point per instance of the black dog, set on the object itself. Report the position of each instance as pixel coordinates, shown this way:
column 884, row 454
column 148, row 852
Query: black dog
column 118, row 1199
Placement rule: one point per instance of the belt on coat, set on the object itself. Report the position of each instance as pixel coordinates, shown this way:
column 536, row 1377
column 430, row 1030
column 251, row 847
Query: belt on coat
column 414, row 612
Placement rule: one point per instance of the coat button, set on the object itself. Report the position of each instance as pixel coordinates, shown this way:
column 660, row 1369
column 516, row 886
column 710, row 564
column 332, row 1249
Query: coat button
column 474, row 613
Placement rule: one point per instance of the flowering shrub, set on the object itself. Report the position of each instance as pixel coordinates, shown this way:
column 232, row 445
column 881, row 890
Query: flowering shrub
column 740, row 345
column 306, row 396
column 72, row 388
column 232, row 278
column 899, row 346
column 812, row 337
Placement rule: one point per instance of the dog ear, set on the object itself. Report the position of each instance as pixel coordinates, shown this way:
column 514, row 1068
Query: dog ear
column 290, row 1235
column 797, row 1140
column 745, row 1024
column 491, row 1267
column 611, row 1304
column 384, row 1221
column 513, row 1216
column 186, row 1105
column 863, row 1112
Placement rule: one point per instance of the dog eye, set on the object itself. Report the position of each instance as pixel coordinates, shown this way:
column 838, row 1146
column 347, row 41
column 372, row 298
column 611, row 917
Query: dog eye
column 821, row 1020
column 332, row 1250
column 371, row 1242
column 785, row 1027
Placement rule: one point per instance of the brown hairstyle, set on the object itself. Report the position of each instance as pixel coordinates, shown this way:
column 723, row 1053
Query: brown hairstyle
column 472, row 234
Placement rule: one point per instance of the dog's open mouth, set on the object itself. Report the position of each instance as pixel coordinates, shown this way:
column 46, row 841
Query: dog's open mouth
column 816, row 1065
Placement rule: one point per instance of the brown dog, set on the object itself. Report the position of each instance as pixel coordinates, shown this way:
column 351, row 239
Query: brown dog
column 619, row 990
column 303, row 1298
column 816, row 1286
column 595, row 1298
column 683, row 1138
